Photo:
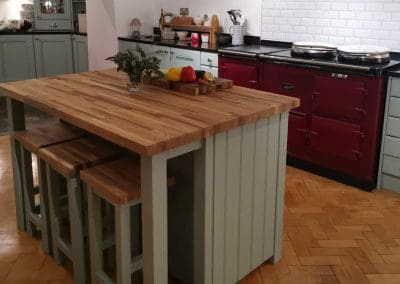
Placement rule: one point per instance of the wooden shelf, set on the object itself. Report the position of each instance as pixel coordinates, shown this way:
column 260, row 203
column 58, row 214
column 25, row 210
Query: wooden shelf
column 191, row 28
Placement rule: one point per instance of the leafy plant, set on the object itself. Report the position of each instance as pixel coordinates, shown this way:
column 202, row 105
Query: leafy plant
column 137, row 64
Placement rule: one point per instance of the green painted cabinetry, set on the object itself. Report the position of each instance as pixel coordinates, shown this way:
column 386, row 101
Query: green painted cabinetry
column 53, row 54
column 17, row 58
column 53, row 14
column 81, row 58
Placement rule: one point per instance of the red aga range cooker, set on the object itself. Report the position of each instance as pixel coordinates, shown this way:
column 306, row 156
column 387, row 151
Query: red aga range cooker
column 336, row 131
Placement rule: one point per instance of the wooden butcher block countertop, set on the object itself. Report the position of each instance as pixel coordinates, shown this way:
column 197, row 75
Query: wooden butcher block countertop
column 147, row 122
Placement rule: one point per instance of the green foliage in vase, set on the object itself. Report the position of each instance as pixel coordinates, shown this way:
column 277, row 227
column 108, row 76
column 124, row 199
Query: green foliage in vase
column 137, row 64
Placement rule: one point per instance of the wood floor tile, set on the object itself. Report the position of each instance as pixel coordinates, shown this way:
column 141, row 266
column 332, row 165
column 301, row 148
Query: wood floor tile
column 384, row 278
column 333, row 234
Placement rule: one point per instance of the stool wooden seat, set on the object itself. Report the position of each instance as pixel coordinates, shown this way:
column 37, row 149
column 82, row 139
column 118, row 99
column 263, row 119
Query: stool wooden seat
column 71, row 157
column 118, row 183
column 31, row 140
column 66, row 160
column 45, row 135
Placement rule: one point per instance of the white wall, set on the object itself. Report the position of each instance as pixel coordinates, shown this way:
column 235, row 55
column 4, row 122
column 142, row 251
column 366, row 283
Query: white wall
column 250, row 8
column 10, row 8
column 342, row 22
column 126, row 10
column 102, row 33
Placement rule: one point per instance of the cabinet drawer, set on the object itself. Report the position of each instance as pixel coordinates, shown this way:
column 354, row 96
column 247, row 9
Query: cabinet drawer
column 391, row 166
column 393, row 127
column 395, row 88
column 209, row 59
column 212, row 70
column 392, row 146
column 394, row 107
column 390, row 182
column 54, row 25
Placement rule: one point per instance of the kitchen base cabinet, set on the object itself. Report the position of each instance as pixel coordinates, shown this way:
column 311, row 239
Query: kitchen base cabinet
column 339, row 119
column 17, row 58
column 243, row 72
column 184, row 57
column 297, row 135
column 163, row 53
column 81, row 57
column 53, row 54
column 389, row 168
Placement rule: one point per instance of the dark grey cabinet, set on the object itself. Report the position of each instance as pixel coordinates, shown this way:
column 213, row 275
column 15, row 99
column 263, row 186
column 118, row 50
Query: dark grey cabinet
column 81, row 59
column 53, row 54
column 17, row 58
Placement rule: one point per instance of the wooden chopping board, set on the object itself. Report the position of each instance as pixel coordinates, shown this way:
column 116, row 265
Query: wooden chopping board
column 193, row 89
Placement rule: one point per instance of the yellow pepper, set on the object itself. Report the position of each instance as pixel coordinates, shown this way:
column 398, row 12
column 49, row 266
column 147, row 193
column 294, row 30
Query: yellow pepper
column 174, row 74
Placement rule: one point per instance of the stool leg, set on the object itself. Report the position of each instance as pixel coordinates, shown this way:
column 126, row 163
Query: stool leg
column 53, row 189
column 75, row 216
column 109, row 227
column 44, row 206
column 123, row 243
column 28, row 190
column 95, row 234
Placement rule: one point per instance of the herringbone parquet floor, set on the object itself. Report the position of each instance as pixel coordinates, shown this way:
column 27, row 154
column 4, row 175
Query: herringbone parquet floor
column 333, row 234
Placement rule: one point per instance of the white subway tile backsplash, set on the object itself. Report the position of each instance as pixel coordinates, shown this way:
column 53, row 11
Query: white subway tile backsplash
column 341, row 21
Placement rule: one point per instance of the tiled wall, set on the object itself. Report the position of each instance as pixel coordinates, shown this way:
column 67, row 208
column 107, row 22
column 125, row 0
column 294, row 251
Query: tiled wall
column 374, row 22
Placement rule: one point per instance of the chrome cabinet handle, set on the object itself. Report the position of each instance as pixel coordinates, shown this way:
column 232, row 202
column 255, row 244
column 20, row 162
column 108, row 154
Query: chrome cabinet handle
column 209, row 60
column 288, row 87
column 161, row 52
column 253, row 82
column 53, row 25
column 38, row 17
column 184, row 58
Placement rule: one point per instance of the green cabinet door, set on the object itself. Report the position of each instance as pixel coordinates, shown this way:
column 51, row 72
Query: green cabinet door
column 53, row 14
column 17, row 58
column 53, row 54
column 81, row 58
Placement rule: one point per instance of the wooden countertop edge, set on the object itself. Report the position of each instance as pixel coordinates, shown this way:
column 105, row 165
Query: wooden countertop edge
column 150, row 150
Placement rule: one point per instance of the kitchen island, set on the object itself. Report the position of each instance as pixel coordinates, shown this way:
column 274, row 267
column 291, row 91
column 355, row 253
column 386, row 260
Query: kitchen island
column 238, row 140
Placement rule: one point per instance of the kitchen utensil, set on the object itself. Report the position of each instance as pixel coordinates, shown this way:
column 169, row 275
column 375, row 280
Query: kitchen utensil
column 235, row 15
column 207, row 20
column 168, row 35
column 183, row 35
column 193, row 89
column 198, row 21
column 237, row 34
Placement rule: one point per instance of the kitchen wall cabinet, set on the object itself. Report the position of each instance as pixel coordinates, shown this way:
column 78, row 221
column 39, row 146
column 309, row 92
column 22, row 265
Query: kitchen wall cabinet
column 53, row 55
column 17, row 58
column 185, row 57
column 81, row 58
column 53, row 15
column 389, row 169
column 243, row 72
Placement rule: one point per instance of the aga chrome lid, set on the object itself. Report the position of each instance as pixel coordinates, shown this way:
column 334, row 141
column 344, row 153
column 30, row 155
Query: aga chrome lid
column 314, row 45
column 364, row 50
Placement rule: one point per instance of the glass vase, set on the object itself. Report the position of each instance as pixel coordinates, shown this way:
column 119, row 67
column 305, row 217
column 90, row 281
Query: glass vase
column 134, row 83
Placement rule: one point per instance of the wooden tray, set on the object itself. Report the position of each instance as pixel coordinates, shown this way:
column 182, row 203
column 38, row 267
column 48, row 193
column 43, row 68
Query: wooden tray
column 193, row 89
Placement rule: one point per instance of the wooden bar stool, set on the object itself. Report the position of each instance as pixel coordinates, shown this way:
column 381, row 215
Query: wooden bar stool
column 118, row 183
column 31, row 140
column 66, row 160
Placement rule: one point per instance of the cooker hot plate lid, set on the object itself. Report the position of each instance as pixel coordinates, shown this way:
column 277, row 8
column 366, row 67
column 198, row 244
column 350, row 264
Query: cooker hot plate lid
column 364, row 50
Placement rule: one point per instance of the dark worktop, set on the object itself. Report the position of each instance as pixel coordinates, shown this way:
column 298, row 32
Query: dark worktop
column 395, row 73
column 174, row 43
column 42, row 32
